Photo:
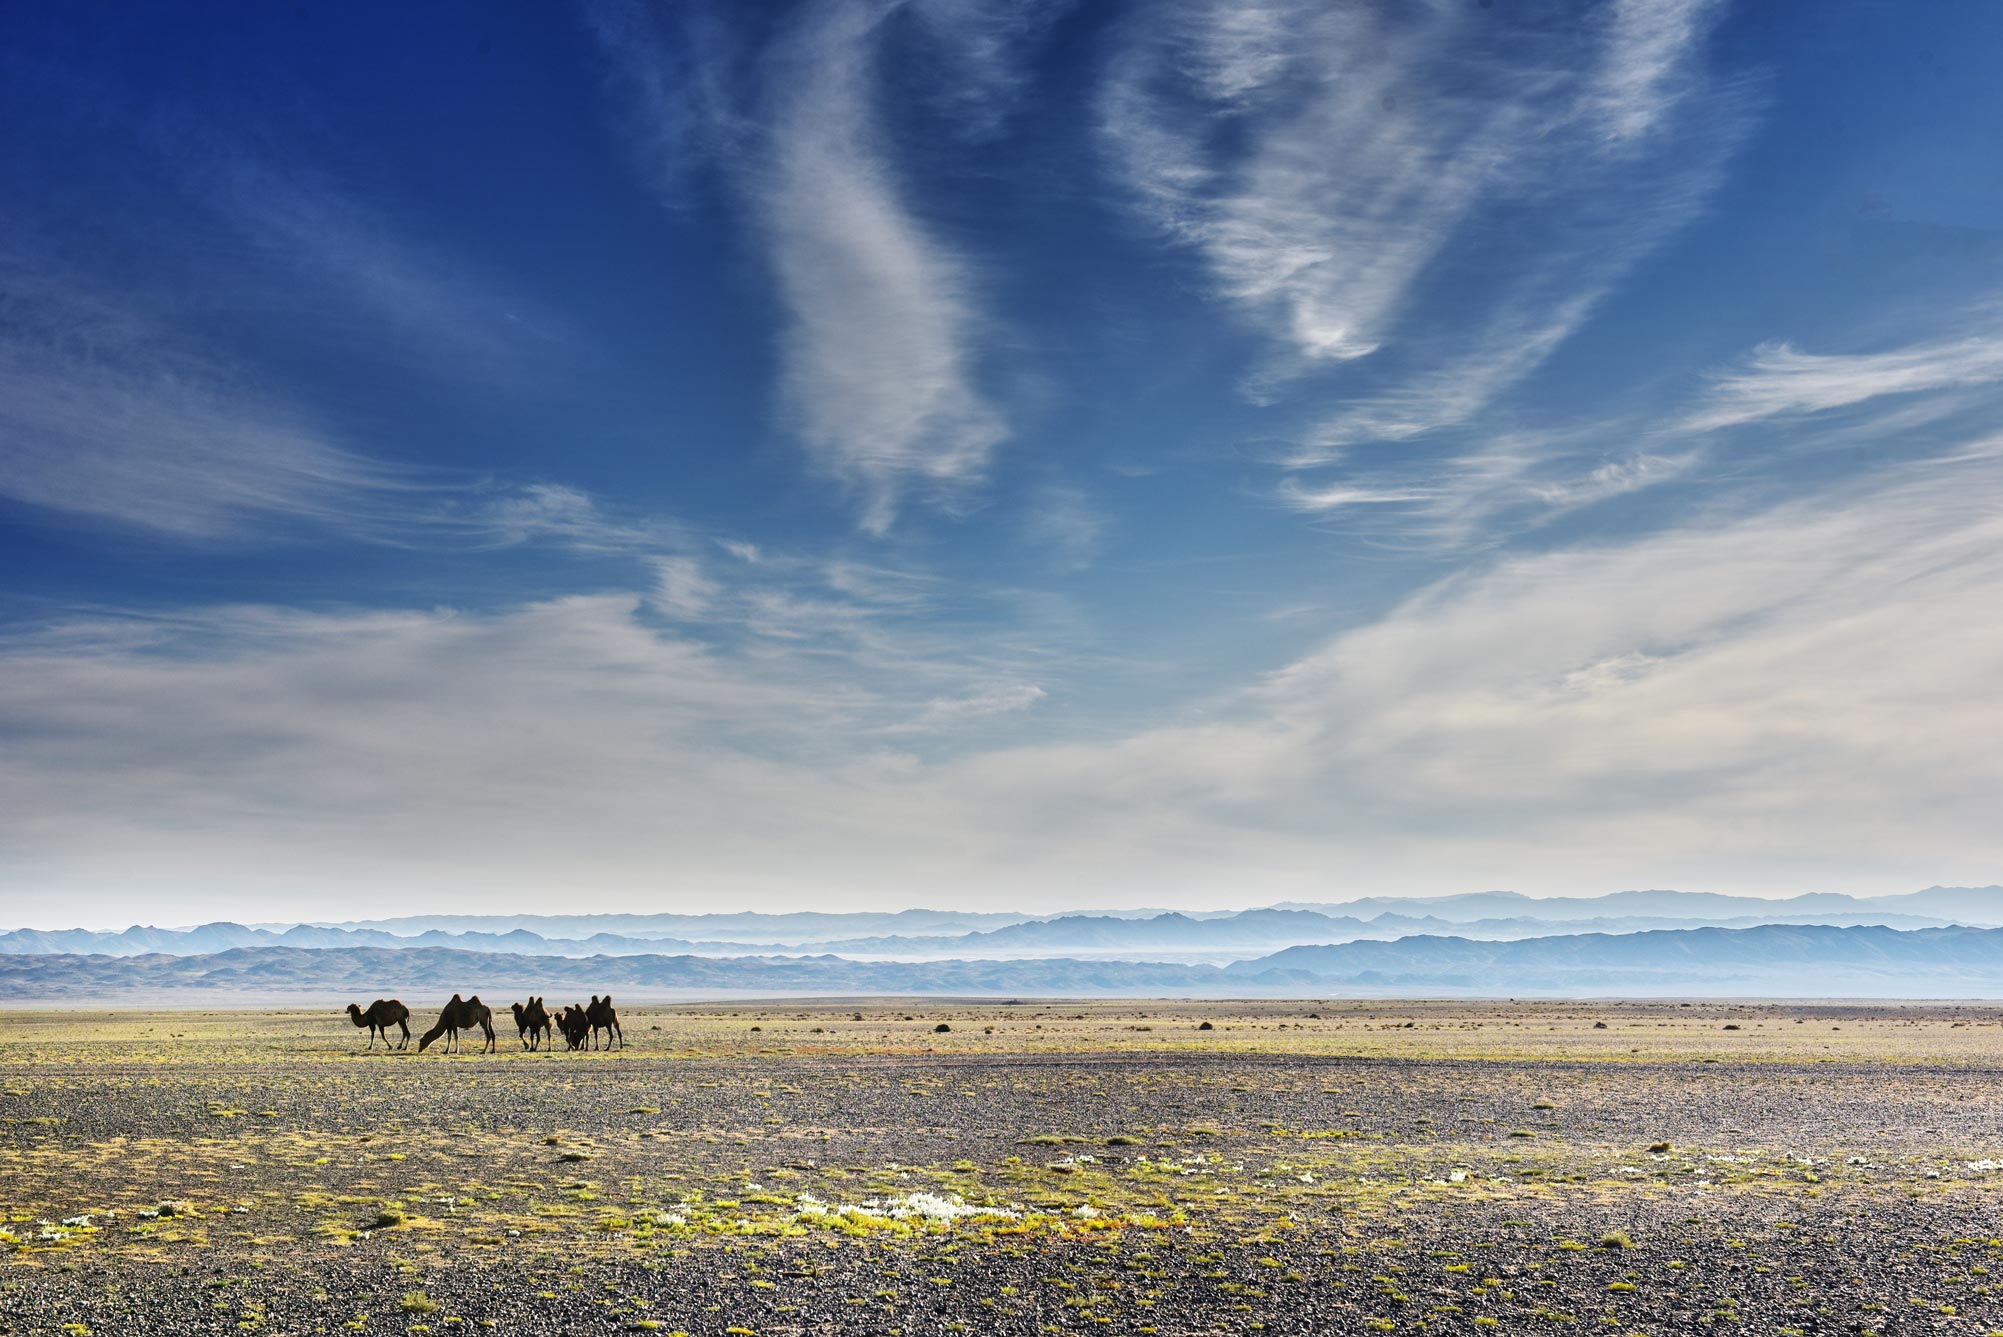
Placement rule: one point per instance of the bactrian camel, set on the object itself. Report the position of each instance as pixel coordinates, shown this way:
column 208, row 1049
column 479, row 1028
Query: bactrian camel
column 461, row 1014
column 532, row 1023
column 575, row 1025
column 379, row 1017
column 603, row 1018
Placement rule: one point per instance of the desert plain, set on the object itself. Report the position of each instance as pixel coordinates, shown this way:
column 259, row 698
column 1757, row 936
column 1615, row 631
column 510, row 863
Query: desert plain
column 908, row 1167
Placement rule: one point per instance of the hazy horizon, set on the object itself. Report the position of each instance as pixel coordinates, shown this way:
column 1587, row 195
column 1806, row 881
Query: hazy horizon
column 53, row 920
column 635, row 457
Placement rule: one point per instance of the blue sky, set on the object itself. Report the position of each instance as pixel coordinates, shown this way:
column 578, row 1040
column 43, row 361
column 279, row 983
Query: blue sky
column 864, row 454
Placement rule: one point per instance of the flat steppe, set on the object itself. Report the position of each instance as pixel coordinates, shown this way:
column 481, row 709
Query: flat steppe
column 847, row 1167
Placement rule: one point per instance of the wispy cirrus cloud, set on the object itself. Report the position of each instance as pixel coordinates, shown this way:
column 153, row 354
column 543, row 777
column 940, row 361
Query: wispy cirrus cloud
column 376, row 282
column 168, row 393
column 106, row 413
column 1437, row 187
column 1300, row 496
column 931, row 650
column 675, row 90
column 111, row 411
column 942, row 713
column 883, row 344
column 1780, row 381
column 283, row 242
column 880, row 352
column 1065, row 526
column 1803, row 400
column 1511, row 483
column 509, row 515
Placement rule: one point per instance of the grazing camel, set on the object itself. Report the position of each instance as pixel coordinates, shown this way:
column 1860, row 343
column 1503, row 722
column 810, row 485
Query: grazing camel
column 379, row 1017
column 461, row 1014
column 532, row 1023
column 575, row 1025
column 603, row 1018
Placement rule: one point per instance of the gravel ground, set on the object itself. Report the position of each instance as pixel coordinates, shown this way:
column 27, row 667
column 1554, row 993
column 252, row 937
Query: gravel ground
column 841, row 1169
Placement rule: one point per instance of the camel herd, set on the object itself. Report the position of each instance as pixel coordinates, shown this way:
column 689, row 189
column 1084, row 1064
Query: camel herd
column 578, row 1024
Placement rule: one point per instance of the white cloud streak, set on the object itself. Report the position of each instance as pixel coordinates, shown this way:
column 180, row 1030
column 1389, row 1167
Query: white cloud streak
column 1487, row 495
column 374, row 281
column 883, row 347
column 108, row 411
column 104, row 414
column 1519, row 480
column 1065, row 526
column 1780, row 381
column 880, row 353
column 1341, row 171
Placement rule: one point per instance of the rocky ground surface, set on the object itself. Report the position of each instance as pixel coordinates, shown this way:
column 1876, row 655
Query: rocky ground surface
column 1037, row 1167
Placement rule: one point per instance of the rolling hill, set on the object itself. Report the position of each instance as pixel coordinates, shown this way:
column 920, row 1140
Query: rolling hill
column 1766, row 961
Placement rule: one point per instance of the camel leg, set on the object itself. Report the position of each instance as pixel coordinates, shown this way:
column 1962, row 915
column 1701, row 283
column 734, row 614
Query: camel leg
column 621, row 1033
column 406, row 1036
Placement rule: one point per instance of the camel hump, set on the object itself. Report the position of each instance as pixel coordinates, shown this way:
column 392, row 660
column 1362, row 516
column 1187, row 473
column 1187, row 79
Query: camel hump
column 608, row 1000
column 457, row 999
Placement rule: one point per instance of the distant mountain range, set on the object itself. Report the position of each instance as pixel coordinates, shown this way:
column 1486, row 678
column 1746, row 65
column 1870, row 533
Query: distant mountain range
column 917, row 935
column 1962, row 905
column 220, row 937
column 803, row 926
column 1255, row 932
column 1765, row 961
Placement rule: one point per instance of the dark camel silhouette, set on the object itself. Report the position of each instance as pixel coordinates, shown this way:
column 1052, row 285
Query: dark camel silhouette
column 461, row 1014
column 575, row 1024
column 379, row 1017
column 532, row 1023
column 603, row 1018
